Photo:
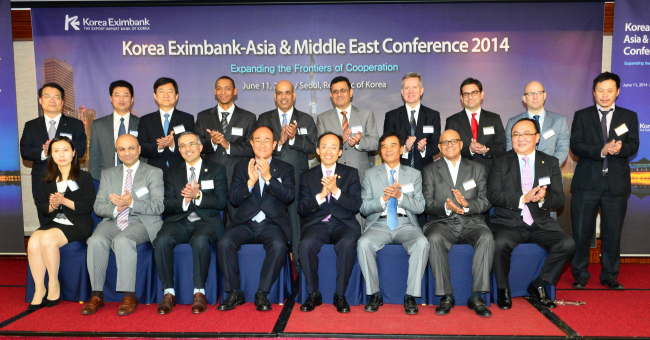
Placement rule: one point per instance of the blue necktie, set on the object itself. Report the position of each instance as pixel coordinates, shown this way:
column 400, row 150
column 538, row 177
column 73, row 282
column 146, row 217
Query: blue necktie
column 536, row 117
column 120, row 131
column 392, row 206
column 166, row 126
column 284, row 119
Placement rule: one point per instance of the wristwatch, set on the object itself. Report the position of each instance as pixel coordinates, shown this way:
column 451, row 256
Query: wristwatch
column 198, row 196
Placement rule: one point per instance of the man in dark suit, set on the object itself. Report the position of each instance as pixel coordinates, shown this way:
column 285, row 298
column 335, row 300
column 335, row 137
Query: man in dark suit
column 604, row 136
column 226, row 130
column 455, row 193
column 296, row 134
column 262, row 188
column 420, row 123
column 105, row 130
column 195, row 191
column 39, row 132
column 481, row 130
column 523, row 185
column 156, row 130
column 330, row 197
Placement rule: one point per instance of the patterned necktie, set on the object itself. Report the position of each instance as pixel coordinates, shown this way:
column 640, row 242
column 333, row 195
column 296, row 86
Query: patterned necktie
column 327, row 219
column 120, row 131
column 123, row 216
column 193, row 216
column 284, row 119
column 344, row 123
column 51, row 132
column 526, row 186
column 539, row 128
column 474, row 126
column 603, row 126
column 224, row 121
column 391, row 212
column 166, row 126
column 413, row 125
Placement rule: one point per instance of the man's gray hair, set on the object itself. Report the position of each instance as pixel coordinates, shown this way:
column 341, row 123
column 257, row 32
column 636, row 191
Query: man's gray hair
column 412, row 75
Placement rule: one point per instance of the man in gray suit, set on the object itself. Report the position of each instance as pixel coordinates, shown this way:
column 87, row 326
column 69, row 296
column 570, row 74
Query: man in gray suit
column 296, row 134
column 105, row 130
column 357, row 126
column 552, row 126
column 455, row 192
column 130, row 199
column 392, row 199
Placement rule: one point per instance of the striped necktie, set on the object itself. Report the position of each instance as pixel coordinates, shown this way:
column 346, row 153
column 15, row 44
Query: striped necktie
column 414, row 147
column 123, row 216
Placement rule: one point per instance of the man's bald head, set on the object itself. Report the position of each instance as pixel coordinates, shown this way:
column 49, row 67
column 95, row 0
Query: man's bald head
column 128, row 149
column 534, row 97
column 284, row 95
column 449, row 150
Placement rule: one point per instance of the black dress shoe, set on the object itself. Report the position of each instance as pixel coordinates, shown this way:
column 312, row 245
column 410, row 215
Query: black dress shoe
column 234, row 299
column 410, row 307
column 478, row 306
column 503, row 299
column 43, row 303
column 262, row 301
column 313, row 300
column 51, row 303
column 374, row 303
column 540, row 294
column 341, row 304
column 445, row 305
column 612, row 284
column 580, row 283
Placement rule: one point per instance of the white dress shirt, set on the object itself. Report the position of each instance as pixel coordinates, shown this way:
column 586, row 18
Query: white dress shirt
column 116, row 128
column 57, row 119
column 289, row 115
column 338, row 192
column 454, row 176
column 541, row 114
column 230, row 111
column 531, row 163
column 197, row 171
column 162, row 120
column 384, row 204
column 124, row 168
column 415, row 116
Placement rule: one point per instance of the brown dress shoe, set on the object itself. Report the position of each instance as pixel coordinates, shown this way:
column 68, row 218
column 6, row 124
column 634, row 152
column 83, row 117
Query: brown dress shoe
column 200, row 304
column 92, row 306
column 127, row 306
column 168, row 302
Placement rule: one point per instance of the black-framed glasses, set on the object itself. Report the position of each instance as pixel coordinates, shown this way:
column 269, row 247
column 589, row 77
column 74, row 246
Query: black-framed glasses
column 530, row 94
column 452, row 141
column 470, row 94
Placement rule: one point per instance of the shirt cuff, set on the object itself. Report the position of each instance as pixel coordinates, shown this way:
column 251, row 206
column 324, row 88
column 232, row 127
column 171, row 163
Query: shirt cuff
column 172, row 148
column 541, row 203
column 466, row 209
column 601, row 154
column 405, row 155
column 423, row 152
column 399, row 200
column 279, row 147
column 383, row 204
column 161, row 150
column 521, row 202
column 115, row 212
column 214, row 146
column 338, row 194
column 228, row 151
column 250, row 189
column 293, row 140
column 320, row 201
column 357, row 146
column 447, row 211
column 185, row 205
column 43, row 157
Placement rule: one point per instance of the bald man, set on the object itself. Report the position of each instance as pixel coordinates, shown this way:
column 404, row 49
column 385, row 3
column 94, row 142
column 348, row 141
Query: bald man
column 130, row 199
column 296, row 134
column 553, row 127
column 456, row 198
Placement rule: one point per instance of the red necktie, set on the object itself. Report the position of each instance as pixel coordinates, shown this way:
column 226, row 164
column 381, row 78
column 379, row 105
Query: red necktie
column 474, row 126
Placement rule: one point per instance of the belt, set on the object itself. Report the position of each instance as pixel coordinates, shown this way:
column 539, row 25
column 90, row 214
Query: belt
column 398, row 215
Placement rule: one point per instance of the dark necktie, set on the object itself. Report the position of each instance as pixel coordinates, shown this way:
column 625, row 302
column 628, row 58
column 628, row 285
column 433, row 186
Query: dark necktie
column 603, row 126
column 414, row 147
column 539, row 128
column 120, row 131
column 224, row 121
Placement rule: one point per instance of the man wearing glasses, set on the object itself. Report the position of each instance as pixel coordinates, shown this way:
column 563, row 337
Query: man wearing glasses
column 523, row 186
column 195, row 192
column 455, row 193
column 39, row 132
column 262, row 188
column 553, row 127
column 357, row 126
column 481, row 131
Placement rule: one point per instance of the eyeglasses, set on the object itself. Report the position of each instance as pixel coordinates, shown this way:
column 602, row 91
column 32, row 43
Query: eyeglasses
column 341, row 91
column 452, row 141
column 124, row 95
column 524, row 135
column 266, row 142
column 329, row 147
column 191, row 145
column 531, row 94
column 470, row 94
column 49, row 96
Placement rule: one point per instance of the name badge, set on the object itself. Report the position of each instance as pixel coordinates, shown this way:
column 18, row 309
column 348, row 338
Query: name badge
column 73, row 186
column 141, row 192
column 621, row 129
column 407, row 188
column 427, row 129
column 468, row 185
column 544, row 181
column 356, row 129
column 205, row 185
column 488, row 130
column 133, row 133
column 237, row 131
column 178, row 129
column 70, row 135
column 303, row 131
column 548, row 134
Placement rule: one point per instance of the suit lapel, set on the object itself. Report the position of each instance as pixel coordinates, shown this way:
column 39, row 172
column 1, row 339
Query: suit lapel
column 40, row 128
column 175, row 121
column 133, row 124
column 405, row 119
column 596, row 121
column 615, row 122
column 157, row 123
column 548, row 122
column 464, row 123
column 540, row 169
column 110, row 129
column 443, row 171
column 513, row 171
column 334, row 120
column 464, row 175
column 63, row 125
column 354, row 119
column 275, row 122
column 234, row 122
column 383, row 177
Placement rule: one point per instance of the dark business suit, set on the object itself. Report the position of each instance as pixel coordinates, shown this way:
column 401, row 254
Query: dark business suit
column 31, row 147
column 178, row 229
column 507, row 224
column 240, row 146
column 83, row 199
column 296, row 155
column 342, row 229
column 102, row 153
column 274, row 231
column 593, row 190
column 151, row 128
column 496, row 142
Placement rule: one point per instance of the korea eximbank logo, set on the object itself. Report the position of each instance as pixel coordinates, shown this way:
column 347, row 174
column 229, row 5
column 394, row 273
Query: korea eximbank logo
column 71, row 21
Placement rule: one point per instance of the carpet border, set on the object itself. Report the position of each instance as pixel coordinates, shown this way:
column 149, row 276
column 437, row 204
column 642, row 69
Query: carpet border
column 553, row 318
column 413, row 336
column 139, row 334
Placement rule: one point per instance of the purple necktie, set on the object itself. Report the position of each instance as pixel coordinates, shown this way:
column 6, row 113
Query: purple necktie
column 327, row 219
column 526, row 186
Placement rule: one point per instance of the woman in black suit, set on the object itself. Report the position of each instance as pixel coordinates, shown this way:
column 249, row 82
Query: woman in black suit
column 67, row 200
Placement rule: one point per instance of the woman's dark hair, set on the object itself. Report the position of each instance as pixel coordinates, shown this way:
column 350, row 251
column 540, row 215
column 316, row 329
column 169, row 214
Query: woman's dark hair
column 53, row 173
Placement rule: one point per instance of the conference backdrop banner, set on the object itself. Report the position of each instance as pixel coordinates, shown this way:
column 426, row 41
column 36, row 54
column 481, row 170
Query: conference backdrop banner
column 505, row 46
column 631, row 61
column 11, row 207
